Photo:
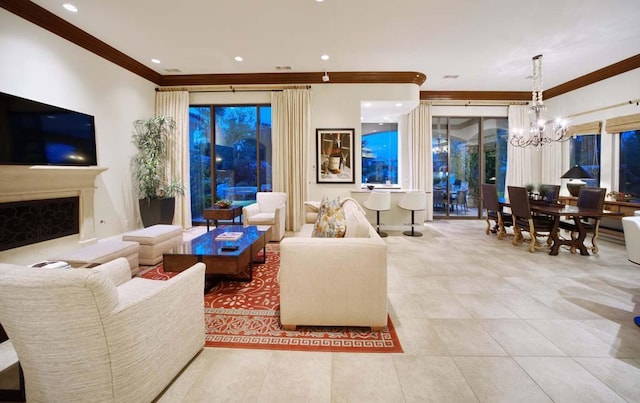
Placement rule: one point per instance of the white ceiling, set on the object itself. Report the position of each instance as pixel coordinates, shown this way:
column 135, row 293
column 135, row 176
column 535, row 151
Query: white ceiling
column 488, row 43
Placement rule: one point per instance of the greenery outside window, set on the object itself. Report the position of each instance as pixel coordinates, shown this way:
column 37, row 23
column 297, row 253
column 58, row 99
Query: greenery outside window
column 230, row 154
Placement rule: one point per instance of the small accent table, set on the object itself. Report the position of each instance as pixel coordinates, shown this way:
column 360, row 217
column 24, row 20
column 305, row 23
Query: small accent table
column 215, row 214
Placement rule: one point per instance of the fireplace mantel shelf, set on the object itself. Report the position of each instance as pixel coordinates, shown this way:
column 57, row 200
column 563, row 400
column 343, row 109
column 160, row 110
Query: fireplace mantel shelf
column 20, row 182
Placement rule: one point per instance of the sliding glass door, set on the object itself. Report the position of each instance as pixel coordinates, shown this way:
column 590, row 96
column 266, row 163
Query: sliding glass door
column 466, row 152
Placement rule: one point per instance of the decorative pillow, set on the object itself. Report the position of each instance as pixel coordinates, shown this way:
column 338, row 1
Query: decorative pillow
column 331, row 221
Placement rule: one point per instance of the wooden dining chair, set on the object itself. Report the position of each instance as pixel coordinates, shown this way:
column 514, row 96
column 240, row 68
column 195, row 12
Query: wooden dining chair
column 592, row 198
column 523, row 220
column 550, row 193
column 494, row 211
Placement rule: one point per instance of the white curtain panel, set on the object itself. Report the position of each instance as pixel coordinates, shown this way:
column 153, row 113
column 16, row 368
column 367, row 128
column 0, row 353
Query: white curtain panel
column 521, row 162
column 290, row 131
column 420, row 155
column 176, row 105
column 551, row 164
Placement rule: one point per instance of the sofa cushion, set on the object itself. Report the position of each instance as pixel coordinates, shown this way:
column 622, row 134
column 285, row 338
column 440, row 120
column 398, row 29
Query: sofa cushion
column 357, row 224
column 263, row 219
column 331, row 222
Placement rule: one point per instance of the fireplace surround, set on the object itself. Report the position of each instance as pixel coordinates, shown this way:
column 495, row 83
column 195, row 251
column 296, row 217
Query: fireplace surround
column 26, row 183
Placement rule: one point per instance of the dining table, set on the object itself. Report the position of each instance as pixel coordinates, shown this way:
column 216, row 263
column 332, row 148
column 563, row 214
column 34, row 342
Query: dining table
column 577, row 214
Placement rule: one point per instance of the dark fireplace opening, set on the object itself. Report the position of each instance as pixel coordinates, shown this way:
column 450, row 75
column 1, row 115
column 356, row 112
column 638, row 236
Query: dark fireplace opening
column 32, row 221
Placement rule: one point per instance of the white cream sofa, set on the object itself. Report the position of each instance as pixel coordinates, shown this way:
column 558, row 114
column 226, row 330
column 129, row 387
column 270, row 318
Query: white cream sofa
column 97, row 335
column 334, row 281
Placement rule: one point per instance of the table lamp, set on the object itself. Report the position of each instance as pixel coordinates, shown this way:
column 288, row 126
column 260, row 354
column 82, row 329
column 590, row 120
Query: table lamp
column 575, row 174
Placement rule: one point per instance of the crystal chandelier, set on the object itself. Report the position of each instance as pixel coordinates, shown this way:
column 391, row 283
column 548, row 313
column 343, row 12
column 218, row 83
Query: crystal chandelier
column 541, row 131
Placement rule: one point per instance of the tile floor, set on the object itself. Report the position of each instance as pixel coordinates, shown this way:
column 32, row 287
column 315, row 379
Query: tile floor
column 479, row 320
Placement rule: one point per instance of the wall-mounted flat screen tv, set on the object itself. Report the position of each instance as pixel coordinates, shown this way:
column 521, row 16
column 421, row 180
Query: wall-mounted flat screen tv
column 33, row 133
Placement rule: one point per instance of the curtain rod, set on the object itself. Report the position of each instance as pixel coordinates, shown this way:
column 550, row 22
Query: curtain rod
column 476, row 103
column 231, row 88
column 604, row 108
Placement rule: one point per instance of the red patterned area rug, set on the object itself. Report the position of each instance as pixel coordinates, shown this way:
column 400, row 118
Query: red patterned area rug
column 247, row 315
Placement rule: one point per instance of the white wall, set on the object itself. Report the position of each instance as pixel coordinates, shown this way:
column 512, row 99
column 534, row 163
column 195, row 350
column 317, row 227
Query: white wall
column 39, row 65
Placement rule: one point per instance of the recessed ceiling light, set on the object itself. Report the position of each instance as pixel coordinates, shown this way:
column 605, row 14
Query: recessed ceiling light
column 238, row 58
column 324, row 57
column 451, row 76
column 156, row 61
column 70, row 7
column 319, row 1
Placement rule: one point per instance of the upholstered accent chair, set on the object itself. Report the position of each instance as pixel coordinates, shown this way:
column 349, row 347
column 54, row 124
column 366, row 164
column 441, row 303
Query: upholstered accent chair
column 494, row 211
column 97, row 335
column 523, row 220
column 269, row 209
column 592, row 198
column 631, row 227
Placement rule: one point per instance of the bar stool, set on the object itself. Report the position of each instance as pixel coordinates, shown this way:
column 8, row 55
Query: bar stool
column 414, row 201
column 378, row 201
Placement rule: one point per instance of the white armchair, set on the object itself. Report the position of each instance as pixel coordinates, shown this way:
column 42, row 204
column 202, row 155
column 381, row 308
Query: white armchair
column 269, row 209
column 631, row 228
column 97, row 335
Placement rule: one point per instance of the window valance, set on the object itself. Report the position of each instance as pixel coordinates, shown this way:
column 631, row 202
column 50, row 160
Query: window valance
column 623, row 123
column 585, row 128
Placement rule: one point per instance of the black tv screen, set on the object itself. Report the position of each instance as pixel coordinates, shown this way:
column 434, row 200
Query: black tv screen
column 33, row 133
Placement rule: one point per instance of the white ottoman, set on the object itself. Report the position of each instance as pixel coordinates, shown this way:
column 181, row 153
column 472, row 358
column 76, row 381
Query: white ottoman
column 102, row 252
column 154, row 241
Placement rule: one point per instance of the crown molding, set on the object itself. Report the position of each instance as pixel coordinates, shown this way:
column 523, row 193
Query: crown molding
column 615, row 69
column 475, row 96
column 359, row 77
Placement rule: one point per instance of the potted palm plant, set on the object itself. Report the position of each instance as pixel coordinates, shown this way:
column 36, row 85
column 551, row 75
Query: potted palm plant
column 156, row 193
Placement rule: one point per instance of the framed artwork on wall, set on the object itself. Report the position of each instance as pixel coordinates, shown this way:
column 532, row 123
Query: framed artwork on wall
column 335, row 156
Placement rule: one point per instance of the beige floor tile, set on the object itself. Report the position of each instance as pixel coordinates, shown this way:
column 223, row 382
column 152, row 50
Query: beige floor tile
column 622, row 336
column 527, row 307
column 295, row 376
column 485, row 307
column 499, row 379
column 572, row 338
column 466, row 337
column 460, row 284
column 406, row 306
column 418, row 337
column 518, row 338
column 431, row 379
column 231, row 375
column 442, row 307
column 531, row 285
column 564, row 380
column 622, row 376
column 365, row 378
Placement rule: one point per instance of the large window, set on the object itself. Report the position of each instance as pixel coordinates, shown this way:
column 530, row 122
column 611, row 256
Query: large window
column 630, row 163
column 585, row 151
column 230, row 154
column 380, row 153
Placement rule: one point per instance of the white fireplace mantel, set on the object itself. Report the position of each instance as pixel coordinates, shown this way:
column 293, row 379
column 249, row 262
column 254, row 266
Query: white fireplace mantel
column 20, row 183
